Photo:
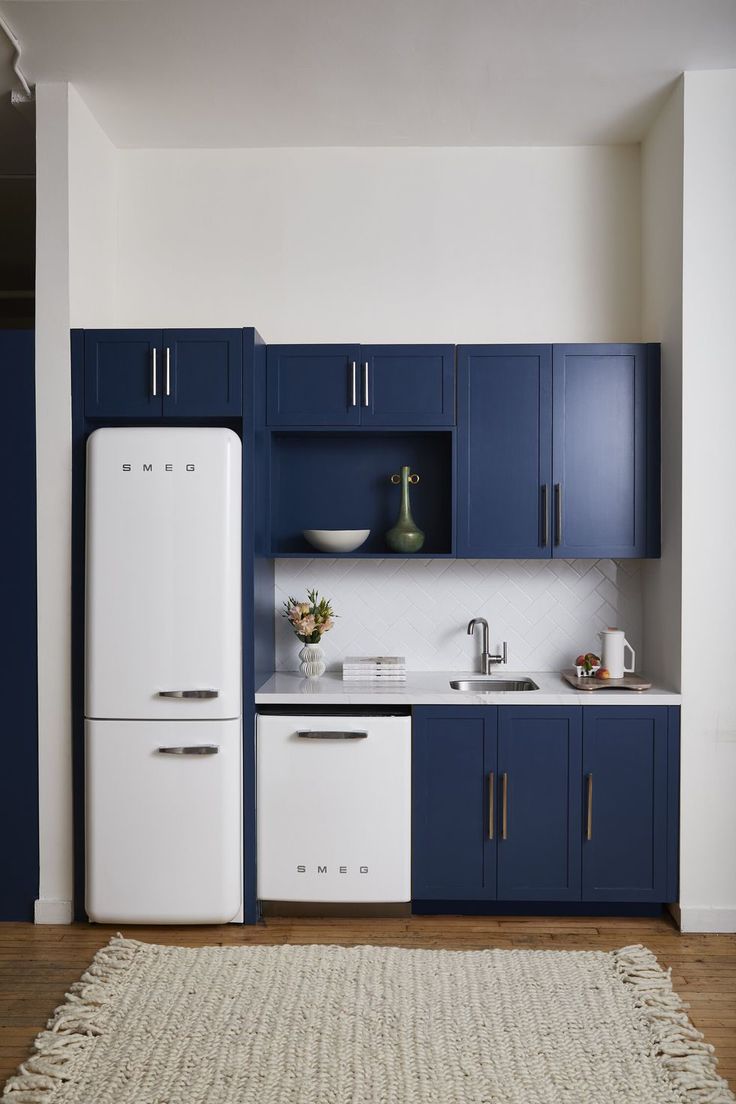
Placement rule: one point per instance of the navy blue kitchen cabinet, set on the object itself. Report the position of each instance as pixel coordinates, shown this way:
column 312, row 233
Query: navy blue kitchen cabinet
column 407, row 385
column 630, row 781
column 132, row 374
column 545, row 803
column 539, row 763
column 496, row 803
column 368, row 385
column 558, row 451
column 454, row 803
column 202, row 373
column 504, row 451
column 122, row 374
column 604, row 468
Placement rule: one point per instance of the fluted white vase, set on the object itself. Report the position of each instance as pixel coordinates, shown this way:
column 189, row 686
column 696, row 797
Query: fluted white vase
column 312, row 663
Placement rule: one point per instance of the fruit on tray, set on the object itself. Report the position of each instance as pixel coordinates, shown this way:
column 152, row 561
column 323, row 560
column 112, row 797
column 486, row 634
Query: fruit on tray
column 603, row 673
column 588, row 662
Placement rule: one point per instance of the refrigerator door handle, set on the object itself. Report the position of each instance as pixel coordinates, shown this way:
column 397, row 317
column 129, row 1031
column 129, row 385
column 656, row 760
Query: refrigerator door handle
column 188, row 693
column 197, row 749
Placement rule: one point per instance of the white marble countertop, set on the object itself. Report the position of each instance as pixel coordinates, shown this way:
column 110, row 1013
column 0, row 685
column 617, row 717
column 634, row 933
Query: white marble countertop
column 433, row 688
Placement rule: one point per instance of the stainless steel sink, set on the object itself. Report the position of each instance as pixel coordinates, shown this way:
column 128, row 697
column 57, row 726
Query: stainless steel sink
column 485, row 685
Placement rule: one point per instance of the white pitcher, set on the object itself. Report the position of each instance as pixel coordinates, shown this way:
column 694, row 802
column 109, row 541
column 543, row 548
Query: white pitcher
column 613, row 643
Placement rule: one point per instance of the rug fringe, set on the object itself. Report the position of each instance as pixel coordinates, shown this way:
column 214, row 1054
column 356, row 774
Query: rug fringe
column 59, row 1051
column 689, row 1061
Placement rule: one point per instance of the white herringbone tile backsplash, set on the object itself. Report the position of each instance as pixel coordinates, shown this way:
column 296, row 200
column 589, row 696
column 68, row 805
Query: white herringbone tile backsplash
column 547, row 610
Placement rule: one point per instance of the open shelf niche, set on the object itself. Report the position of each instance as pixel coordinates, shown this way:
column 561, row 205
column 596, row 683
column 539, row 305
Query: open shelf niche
column 332, row 479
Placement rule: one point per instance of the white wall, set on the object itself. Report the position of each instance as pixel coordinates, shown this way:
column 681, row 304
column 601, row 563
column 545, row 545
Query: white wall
column 547, row 610
column 708, row 896
column 92, row 217
column 384, row 244
column 661, row 179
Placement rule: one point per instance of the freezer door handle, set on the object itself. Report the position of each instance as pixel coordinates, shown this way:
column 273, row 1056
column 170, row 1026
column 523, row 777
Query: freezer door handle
column 197, row 749
column 326, row 734
column 189, row 693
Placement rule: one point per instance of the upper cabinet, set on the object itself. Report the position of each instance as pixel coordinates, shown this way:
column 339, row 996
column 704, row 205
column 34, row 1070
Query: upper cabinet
column 163, row 373
column 354, row 385
column 504, row 450
column 558, row 451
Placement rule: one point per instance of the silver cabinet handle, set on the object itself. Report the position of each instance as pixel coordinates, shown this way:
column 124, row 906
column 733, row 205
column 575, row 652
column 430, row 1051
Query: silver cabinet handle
column 354, row 384
column 504, row 806
column 168, row 372
column 545, row 516
column 197, row 749
column 491, row 803
column 189, row 693
column 153, row 372
column 365, row 384
column 589, row 812
column 558, row 513
column 326, row 734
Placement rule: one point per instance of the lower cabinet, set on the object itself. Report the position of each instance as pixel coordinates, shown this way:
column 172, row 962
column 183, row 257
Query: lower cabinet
column 545, row 803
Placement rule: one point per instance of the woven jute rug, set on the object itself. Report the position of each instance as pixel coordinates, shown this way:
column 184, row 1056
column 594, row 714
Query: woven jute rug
column 281, row 1025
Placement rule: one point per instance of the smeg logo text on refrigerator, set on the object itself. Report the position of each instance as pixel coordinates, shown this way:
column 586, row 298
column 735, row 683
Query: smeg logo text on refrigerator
column 162, row 467
column 302, row 869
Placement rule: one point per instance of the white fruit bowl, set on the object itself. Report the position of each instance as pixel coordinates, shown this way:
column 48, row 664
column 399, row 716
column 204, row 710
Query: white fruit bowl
column 336, row 540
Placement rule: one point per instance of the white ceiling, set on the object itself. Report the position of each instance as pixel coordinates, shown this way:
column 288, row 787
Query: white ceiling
column 372, row 72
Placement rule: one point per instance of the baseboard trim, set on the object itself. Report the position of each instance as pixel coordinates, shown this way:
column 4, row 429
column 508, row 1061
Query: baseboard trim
column 48, row 910
column 714, row 920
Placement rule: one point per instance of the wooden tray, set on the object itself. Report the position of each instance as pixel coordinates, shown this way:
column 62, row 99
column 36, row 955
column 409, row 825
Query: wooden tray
column 628, row 682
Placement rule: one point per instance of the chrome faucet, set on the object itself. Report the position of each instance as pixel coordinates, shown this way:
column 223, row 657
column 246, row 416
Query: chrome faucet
column 486, row 659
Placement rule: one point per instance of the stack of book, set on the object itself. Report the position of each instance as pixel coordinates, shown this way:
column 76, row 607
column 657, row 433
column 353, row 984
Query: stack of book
column 374, row 669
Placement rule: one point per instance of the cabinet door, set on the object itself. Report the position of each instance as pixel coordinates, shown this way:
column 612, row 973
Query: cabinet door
column 203, row 373
column 504, row 450
column 539, row 754
column 313, row 385
column 625, row 803
column 123, row 374
column 407, row 385
column 600, row 450
column 453, row 777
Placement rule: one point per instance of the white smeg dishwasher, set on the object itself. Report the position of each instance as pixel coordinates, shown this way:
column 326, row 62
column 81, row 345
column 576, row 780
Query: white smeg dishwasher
column 333, row 807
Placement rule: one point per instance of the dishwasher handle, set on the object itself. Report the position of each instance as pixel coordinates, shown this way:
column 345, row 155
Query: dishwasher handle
column 327, row 734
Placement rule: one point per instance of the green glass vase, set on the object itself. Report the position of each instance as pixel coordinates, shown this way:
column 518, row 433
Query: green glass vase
column 405, row 536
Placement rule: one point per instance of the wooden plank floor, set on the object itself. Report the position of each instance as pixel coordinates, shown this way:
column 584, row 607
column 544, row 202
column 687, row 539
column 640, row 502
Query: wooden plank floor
column 38, row 964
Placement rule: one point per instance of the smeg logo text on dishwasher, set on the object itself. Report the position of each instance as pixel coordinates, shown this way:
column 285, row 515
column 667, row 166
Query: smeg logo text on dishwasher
column 164, row 467
column 302, row 869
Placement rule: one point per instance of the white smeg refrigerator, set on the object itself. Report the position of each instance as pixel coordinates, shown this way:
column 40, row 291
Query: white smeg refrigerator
column 163, row 694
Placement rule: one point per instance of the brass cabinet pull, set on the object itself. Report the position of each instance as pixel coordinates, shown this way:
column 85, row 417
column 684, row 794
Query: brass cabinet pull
column 589, row 809
column 558, row 513
column 491, row 809
column 504, row 805
column 545, row 517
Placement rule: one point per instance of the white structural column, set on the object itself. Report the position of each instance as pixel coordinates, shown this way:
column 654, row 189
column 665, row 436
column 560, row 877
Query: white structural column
column 708, row 876
column 53, row 463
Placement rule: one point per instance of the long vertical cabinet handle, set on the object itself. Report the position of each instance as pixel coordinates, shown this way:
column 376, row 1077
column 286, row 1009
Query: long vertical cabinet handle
column 167, row 385
column 504, row 806
column 589, row 808
column 365, row 383
column 545, row 515
column 558, row 513
column 153, row 372
column 353, row 384
column 491, row 803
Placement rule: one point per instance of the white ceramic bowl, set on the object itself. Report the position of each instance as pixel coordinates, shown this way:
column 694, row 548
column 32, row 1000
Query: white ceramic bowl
column 336, row 540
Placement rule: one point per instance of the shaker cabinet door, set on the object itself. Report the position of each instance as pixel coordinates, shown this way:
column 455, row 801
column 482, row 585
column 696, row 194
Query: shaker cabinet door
column 504, row 451
column 625, row 803
column 539, row 752
column 313, row 385
column 453, row 810
column 203, row 373
column 407, row 385
column 123, row 375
